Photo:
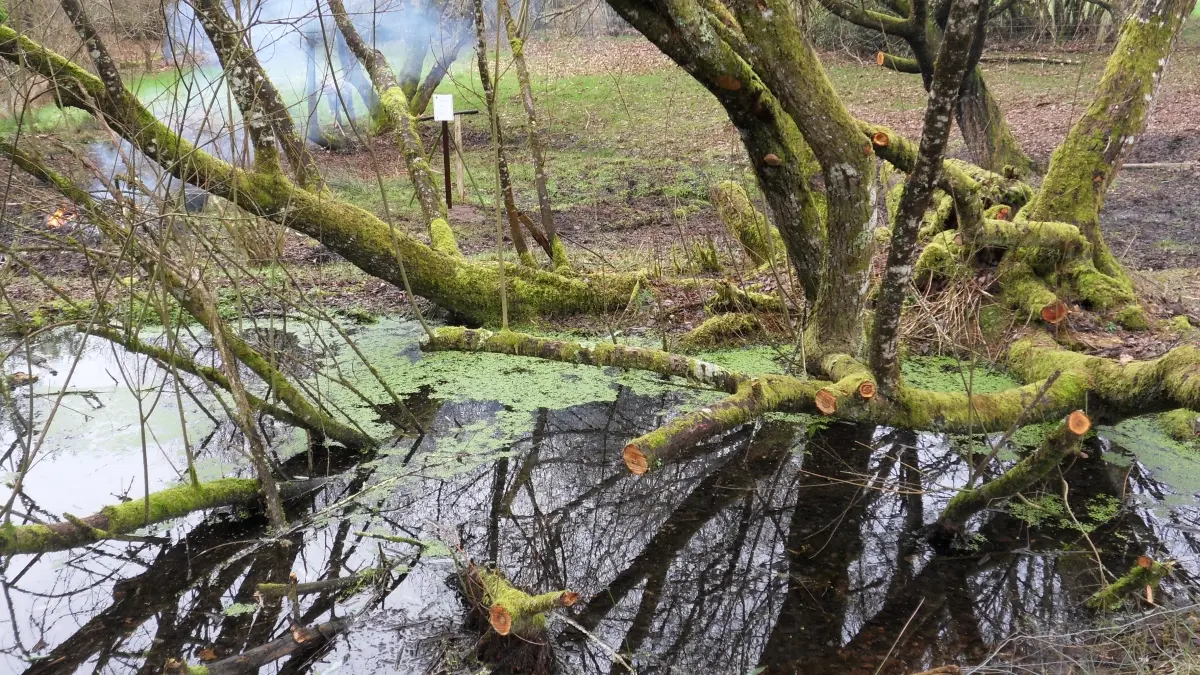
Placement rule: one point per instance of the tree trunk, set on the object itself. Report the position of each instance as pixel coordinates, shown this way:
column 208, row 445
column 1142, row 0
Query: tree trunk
column 1084, row 165
column 790, row 67
column 783, row 162
column 489, row 97
column 537, row 146
column 981, row 121
column 966, row 16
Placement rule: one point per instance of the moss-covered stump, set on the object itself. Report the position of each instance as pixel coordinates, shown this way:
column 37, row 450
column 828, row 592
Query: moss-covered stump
column 114, row 521
column 1064, row 440
column 1143, row 577
column 512, row 621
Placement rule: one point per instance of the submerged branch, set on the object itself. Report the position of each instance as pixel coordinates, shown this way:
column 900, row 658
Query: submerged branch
column 122, row 519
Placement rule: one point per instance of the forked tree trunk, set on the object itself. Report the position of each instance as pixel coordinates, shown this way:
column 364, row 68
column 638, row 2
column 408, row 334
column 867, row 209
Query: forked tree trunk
column 537, row 146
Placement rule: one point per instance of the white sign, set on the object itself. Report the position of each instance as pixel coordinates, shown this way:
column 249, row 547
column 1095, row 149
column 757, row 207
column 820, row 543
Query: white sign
column 443, row 107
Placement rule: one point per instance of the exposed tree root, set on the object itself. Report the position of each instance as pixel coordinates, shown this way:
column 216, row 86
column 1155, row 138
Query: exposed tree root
column 121, row 519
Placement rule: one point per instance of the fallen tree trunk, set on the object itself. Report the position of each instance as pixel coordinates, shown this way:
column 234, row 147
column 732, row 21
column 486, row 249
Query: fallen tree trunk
column 122, row 519
column 372, row 245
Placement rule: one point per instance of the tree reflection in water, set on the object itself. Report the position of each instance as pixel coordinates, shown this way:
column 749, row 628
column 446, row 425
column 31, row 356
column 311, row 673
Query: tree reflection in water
column 773, row 546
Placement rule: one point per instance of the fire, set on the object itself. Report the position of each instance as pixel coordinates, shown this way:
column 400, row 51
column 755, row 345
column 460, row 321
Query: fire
column 59, row 218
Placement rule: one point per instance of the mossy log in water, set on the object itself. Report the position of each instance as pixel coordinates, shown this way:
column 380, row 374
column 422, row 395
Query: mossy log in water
column 1146, row 573
column 513, row 621
column 1064, row 440
column 121, row 519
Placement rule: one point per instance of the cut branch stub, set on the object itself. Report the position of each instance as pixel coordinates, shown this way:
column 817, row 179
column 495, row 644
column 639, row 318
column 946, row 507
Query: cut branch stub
column 1055, row 313
column 635, row 460
column 866, row 390
column 826, row 402
column 500, row 619
column 1079, row 423
column 880, row 58
column 880, row 139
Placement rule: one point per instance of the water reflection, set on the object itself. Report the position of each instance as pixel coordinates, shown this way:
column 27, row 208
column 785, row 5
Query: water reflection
column 776, row 546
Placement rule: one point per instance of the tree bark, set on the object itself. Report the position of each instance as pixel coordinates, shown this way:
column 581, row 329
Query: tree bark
column 1084, row 165
column 966, row 16
column 789, row 66
column 537, row 146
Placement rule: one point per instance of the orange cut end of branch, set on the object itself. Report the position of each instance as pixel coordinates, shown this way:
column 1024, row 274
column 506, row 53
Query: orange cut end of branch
column 881, row 139
column 568, row 598
column 1002, row 213
column 866, row 390
column 1054, row 313
column 1144, row 562
column 879, row 58
column 826, row 402
column 1079, row 423
column 729, row 83
column 635, row 460
column 772, row 159
column 500, row 619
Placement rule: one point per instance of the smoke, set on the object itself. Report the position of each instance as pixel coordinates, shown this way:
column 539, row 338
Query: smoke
column 304, row 55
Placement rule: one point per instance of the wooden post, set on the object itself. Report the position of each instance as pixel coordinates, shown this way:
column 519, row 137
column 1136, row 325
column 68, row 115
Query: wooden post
column 459, row 170
column 446, row 162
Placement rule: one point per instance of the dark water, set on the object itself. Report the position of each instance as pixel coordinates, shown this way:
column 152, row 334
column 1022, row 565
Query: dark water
column 776, row 546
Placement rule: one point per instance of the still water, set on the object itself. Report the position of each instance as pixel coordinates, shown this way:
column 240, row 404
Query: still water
column 789, row 545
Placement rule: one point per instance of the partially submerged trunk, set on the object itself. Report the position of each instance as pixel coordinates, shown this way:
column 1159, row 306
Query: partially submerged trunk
column 117, row 521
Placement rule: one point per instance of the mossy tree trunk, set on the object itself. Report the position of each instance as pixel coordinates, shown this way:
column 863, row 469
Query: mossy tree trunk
column 782, row 161
column 986, row 132
column 359, row 236
column 123, row 519
column 1085, row 164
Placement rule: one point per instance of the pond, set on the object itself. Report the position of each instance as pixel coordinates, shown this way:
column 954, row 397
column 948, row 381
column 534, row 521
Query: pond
column 792, row 545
